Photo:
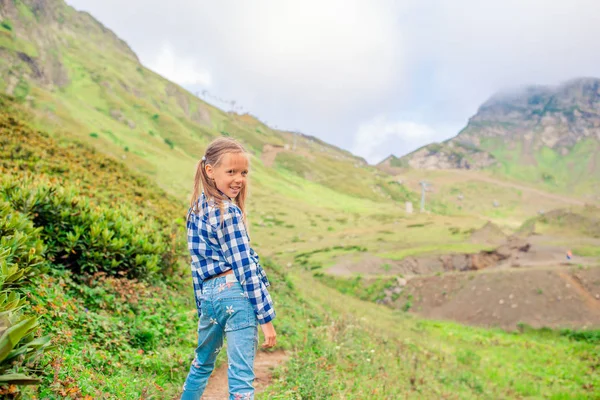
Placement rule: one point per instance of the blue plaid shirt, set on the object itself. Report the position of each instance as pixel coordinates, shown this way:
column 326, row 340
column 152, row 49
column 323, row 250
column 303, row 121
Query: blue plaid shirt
column 217, row 247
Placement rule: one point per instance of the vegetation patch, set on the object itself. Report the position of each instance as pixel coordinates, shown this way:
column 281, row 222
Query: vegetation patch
column 86, row 238
column 364, row 289
column 436, row 249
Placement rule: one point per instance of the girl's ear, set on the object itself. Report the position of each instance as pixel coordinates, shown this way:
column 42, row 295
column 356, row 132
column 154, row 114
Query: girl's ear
column 209, row 170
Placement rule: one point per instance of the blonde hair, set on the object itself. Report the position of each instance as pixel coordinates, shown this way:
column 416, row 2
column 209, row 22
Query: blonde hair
column 215, row 152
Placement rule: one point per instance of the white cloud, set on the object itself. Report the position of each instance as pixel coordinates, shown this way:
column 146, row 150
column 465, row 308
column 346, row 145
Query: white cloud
column 380, row 137
column 326, row 57
column 480, row 47
column 181, row 70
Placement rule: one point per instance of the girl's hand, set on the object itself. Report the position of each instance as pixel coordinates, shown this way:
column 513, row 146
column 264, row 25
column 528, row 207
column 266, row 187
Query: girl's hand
column 270, row 335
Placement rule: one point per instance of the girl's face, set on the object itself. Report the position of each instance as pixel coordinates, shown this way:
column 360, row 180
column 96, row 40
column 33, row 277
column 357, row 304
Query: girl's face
column 231, row 174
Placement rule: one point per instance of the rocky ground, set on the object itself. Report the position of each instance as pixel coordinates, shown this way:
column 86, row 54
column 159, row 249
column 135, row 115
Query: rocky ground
column 523, row 280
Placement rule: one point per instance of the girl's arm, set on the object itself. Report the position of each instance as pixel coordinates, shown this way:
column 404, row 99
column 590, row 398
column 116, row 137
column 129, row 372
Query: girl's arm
column 235, row 246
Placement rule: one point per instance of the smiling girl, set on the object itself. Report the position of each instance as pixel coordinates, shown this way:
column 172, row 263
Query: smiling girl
column 230, row 286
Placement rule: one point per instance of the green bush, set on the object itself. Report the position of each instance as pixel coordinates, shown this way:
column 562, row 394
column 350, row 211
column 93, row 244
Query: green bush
column 364, row 289
column 169, row 143
column 88, row 238
column 6, row 24
column 21, row 256
column 20, row 247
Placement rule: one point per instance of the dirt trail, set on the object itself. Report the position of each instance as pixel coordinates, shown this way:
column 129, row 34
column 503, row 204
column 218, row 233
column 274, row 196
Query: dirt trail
column 264, row 364
column 574, row 282
column 269, row 154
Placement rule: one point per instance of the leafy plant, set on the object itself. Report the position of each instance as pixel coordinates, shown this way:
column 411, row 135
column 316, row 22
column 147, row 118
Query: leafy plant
column 21, row 256
column 170, row 143
column 6, row 24
column 87, row 238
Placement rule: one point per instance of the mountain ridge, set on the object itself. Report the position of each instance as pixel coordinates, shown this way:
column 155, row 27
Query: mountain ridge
column 526, row 133
column 80, row 79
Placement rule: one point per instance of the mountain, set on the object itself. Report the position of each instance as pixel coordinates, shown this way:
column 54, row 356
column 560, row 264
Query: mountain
column 541, row 134
column 81, row 80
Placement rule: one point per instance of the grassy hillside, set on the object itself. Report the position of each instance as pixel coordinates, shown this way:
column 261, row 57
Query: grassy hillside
column 79, row 78
column 119, row 338
column 574, row 173
column 96, row 142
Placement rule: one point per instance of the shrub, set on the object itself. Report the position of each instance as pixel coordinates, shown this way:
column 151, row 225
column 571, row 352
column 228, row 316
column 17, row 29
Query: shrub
column 6, row 24
column 88, row 238
column 21, row 256
column 170, row 143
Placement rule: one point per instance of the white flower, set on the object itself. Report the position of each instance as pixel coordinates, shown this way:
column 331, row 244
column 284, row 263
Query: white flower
column 230, row 310
column 213, row 321
column 218, row 350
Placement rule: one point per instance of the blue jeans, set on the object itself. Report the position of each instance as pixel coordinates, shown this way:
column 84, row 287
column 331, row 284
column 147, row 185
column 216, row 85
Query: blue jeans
column 226, row 311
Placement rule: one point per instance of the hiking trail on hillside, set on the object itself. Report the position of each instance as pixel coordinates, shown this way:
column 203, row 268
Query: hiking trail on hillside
column 265, row 362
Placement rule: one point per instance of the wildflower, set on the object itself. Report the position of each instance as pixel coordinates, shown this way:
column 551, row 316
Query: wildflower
column 230, row 310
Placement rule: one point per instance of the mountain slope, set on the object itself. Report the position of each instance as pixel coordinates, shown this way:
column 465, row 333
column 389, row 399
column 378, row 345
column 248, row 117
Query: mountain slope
column 81, row 79
column 314, row 199
column 543, row 135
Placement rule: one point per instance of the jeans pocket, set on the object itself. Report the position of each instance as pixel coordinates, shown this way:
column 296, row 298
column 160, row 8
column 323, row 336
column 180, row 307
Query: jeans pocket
column 239, row 313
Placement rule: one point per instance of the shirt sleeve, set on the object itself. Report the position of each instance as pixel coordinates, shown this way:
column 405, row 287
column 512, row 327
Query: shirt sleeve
column 261, row 271
column 236, row 249
column 196, row 247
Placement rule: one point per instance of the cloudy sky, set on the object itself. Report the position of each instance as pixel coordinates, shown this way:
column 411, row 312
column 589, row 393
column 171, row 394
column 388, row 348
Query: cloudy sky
column 373, row 77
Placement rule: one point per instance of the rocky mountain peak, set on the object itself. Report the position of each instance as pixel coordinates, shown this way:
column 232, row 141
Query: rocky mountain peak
column 526, row 120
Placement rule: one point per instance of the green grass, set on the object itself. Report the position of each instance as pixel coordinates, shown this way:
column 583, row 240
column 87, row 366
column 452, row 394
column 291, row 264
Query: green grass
column 572, row 173
column 13, row 43
column 121, row 338
column 357, row 286
column 435, row 249
column 370, row 351
column 587, row 251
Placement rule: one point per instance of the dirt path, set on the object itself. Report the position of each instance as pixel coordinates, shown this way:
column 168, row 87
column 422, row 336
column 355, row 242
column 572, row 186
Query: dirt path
column 539, row 297
column 269, row 153
column 264, row 364
column 573, row 282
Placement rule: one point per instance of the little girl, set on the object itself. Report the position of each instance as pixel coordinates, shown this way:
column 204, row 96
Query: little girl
column 230, row 286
